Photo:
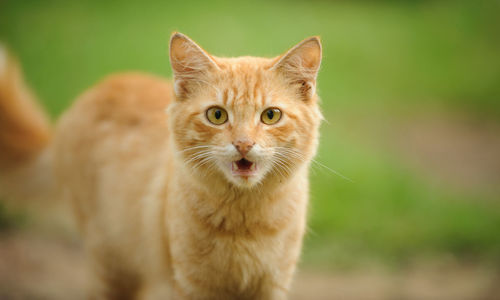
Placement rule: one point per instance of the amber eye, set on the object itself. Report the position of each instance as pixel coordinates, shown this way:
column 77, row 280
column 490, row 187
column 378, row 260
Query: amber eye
column 216, row 115
column 271, row 116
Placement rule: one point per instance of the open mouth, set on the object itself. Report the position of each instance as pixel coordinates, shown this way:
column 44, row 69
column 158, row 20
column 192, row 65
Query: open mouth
column 244, row 167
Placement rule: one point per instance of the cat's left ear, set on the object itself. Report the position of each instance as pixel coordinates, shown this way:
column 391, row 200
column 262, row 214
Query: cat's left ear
column 190, row 64
column 300, row 65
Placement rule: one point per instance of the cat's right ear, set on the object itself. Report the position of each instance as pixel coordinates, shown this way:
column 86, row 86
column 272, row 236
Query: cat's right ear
column 190, row 64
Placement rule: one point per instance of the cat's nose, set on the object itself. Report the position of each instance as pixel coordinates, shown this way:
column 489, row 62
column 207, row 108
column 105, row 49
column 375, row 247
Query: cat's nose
column 243, row 146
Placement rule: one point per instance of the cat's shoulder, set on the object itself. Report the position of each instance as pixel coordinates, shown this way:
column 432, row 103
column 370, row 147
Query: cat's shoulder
column 141, row 91
column 125, row 98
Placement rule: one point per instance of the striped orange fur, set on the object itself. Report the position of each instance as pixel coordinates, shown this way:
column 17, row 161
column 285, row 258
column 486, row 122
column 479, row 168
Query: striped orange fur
column 169, row 204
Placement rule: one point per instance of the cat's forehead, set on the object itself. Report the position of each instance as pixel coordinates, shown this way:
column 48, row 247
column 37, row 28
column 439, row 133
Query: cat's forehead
column 246, row 75
column 244, row 63
column 246, row 80
column 243, row 69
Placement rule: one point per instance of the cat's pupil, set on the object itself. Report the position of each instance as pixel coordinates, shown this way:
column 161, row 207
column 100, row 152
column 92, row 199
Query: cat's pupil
column 218, row 114
column 270, row 114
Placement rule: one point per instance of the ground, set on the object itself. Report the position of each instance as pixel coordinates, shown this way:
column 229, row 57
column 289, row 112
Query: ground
column 34, row 266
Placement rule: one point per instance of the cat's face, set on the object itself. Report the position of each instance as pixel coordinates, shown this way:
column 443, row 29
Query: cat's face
column 246, row 118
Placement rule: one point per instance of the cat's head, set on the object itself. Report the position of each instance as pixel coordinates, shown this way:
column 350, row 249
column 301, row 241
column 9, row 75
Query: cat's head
column 245, row 119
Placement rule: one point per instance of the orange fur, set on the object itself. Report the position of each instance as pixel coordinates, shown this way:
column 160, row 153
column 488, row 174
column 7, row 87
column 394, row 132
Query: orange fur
column 162, row 214
column 25, row 130
column 25, row 133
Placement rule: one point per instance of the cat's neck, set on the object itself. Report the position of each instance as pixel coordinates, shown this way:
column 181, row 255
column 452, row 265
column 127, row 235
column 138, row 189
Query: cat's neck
column 224, row 207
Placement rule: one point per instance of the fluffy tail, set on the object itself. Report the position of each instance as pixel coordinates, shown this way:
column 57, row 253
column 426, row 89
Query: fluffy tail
column 25, row 134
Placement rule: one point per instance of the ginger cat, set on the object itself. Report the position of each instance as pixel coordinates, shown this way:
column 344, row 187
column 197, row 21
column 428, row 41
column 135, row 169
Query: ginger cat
column 204, row 200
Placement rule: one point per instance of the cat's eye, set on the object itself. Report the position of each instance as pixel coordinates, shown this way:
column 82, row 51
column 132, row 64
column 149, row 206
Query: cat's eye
column 217, row 115
column 271, row 116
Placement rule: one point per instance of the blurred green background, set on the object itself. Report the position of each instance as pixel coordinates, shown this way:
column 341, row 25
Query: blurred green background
column 410, row 91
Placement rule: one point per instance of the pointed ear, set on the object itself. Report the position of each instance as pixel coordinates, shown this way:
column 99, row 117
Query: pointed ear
column 190, row 64
column 300, row 66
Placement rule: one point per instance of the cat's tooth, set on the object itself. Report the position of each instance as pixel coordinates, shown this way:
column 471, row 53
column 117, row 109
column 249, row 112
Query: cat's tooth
column 252, row 167
column 235, row 166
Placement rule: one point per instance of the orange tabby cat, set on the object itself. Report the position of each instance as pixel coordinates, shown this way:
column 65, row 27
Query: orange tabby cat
column 204, row 201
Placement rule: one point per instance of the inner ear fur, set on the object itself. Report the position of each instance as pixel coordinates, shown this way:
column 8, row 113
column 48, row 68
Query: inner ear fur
column 300, row 65
column 190, row 64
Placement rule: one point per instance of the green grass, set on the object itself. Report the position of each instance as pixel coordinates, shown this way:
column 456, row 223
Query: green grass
column 377, row 55
column 391, row 214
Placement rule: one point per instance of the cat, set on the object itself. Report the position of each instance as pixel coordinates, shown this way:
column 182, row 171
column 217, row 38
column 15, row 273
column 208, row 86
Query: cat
column 191, row 189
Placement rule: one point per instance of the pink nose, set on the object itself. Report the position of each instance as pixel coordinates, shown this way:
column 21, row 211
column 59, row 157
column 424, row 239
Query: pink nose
column 243, row 146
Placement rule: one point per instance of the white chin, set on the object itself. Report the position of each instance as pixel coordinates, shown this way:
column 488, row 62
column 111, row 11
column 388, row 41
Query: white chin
column 244, row 176
column 243, row 181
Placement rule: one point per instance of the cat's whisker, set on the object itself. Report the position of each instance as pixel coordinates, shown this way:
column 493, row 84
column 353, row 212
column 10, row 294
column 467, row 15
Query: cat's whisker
column 198, row 165
column 195, row 157
column 284, row 157
column 281, row 172
column 201, row 152
column 283, row 152
column 198, row 155
column 277, row 170
column 280, row 162
column 331, row 170
column 311, row 231
column 207, row 160
column 212, row 166
column 325, row 120
column 287, row 156
column 295, row 155
column 287, row 168
column 289, row 151
column 194, row 148
column 195, row 154
column 280, row 165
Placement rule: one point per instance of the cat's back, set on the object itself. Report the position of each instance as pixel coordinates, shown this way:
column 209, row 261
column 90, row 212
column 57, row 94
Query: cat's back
column 123, row 101
column 113, row 137
column 120, row 105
